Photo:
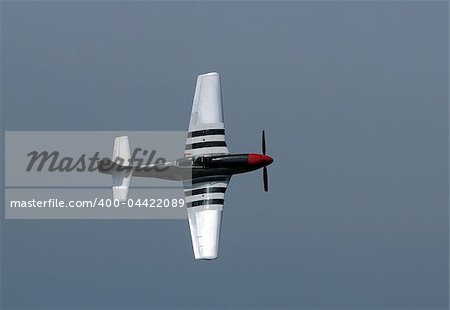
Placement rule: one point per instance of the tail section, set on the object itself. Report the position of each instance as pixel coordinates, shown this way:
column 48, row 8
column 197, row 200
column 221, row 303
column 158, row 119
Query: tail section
column 121, row 177
column 121, row 151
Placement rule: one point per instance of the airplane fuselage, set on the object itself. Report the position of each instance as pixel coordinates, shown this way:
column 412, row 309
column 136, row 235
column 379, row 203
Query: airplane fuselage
column 228, row 164
column 196, row 167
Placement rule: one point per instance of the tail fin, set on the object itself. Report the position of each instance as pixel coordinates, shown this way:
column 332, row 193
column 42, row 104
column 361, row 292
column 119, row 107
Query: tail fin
column 121, row 177
column 121, row 150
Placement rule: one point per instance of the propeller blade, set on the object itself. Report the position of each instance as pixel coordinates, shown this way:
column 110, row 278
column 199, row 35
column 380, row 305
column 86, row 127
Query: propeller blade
column 265, row 179
column 264, row 142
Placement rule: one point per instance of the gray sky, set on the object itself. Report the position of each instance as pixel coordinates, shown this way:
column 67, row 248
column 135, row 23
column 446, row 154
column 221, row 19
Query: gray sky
column 353, row 97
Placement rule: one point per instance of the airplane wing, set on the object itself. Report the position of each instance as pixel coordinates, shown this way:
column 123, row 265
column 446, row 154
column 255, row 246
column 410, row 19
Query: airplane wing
column 205, row 196
column 204, row 202
column 206, row 128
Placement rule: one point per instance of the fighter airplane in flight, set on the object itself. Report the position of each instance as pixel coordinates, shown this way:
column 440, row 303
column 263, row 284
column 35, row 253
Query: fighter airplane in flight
column 205, row 170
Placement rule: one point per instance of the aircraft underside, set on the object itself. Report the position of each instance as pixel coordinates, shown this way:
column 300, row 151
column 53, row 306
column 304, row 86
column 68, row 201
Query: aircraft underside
column 205, row 170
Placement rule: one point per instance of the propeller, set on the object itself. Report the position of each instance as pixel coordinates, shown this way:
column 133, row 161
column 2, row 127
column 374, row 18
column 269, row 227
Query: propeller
column 264, row 142
column 265, row 179
column 265, row 174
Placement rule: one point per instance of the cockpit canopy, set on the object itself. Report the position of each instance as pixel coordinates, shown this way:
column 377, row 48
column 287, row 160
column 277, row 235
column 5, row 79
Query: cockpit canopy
column 184, row 162
column 201, row 160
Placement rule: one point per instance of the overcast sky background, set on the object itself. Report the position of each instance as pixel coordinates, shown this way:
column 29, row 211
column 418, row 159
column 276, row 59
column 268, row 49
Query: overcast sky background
column 354, row 100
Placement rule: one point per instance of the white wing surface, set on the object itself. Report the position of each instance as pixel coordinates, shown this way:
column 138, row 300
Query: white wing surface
column 205, row 200
column 206, row 128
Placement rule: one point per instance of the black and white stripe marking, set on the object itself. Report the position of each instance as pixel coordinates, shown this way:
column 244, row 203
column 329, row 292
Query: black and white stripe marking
column 200, row 145
column 206, row 132
column 196, row 181
column 205, row 202
column 205, row 190
column 206, row 141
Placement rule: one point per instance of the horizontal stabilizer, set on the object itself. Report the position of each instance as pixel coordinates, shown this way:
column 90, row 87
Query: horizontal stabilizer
column 121, row 152
column 121, row 177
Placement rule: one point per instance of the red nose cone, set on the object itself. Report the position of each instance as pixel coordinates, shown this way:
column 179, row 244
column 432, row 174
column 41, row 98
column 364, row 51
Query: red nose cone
column 259, row 160
column 267, row 160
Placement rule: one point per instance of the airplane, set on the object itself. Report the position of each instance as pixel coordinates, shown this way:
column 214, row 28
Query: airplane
column 205, row 169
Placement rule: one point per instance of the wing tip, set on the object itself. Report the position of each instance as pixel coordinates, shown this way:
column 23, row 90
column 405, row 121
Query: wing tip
column 206, row 257
column 209, row 74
